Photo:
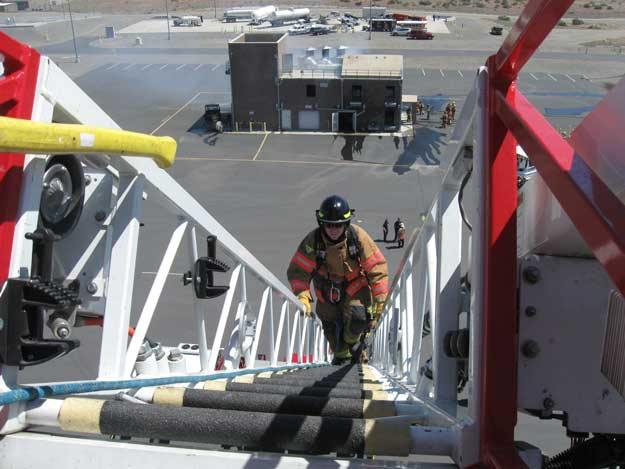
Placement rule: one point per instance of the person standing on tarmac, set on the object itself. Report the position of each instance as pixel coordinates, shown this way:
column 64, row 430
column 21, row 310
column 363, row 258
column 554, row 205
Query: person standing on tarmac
column 385, row 229
column 396, row 228
column 349, row 275
column 401, row 235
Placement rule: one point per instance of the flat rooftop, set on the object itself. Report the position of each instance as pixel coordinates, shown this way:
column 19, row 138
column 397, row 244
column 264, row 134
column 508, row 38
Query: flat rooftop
column 258, row 38
column 370, row 65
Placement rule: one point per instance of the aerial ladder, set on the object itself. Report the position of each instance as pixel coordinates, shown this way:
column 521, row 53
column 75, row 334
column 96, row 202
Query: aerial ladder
column 509, row 297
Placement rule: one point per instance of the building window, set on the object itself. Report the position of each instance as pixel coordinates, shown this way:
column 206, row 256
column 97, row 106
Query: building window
column 311, row 91
column 389, row 92
column 356, row 92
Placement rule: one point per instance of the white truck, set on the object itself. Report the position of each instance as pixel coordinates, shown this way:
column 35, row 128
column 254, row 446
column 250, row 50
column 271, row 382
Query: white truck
column 188, row 21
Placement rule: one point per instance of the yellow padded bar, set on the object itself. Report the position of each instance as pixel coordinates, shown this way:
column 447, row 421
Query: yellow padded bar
column 26, row 136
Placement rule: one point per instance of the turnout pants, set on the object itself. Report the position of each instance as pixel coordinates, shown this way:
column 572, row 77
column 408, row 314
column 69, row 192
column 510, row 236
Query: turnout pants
column 343, row 323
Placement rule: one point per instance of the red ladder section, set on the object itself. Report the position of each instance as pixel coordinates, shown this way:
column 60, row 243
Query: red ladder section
column 17, row 95
column 565, row 166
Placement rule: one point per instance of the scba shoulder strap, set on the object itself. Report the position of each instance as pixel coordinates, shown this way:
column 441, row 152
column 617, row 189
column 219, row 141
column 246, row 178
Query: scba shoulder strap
column 354, row 248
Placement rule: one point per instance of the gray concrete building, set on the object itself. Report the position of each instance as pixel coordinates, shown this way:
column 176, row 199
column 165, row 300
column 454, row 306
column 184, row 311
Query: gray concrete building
column 319, row 90
column 254, row 76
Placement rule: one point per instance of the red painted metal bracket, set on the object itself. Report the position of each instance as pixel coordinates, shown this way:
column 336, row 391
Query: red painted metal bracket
column 17, row 94
column 536, row 21
column 596, row 212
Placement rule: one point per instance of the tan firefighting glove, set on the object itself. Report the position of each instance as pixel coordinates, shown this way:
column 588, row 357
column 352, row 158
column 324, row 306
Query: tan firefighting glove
column 305, row 300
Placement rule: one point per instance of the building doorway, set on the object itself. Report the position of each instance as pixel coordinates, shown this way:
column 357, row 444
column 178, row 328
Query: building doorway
column 389, row 117
column 347, row 121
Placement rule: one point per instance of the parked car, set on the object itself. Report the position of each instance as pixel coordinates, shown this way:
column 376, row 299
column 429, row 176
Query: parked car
column 299, row 29
column 496, row 30
column 400, row 31
column 318, row 29
column 420, row 34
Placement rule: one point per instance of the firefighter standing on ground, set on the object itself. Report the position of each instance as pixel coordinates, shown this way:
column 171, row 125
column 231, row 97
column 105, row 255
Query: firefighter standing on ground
column 401, row 235
column 349, row 274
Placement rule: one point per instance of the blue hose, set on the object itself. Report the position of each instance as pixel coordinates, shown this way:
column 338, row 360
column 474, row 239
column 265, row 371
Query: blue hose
column 30, row 393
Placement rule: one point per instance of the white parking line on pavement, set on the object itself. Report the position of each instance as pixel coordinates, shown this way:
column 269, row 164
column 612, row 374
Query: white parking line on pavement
column 442, row 74
column 423, row 71
column 111, row 67
column 181, row 108
column 163, row 66
column 570, row 78
column 181, row 66
column 198, row 67
column 128, row 67
column 533, row 76
column 552, row 77
column 215, row 67
column 145, row 67
column 585, row 77
column 460, row 73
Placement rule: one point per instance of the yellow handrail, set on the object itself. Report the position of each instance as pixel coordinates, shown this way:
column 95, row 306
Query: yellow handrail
column 25, row 136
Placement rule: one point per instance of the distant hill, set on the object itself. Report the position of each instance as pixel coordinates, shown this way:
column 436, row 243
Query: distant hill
column 582, row 8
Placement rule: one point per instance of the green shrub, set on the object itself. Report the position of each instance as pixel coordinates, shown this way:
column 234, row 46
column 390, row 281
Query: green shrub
column 587, row 5
column 503, row 18
column 425, row 2
column 480, row 5
column 598, row 7
column 562, row 23
column 577, row 22
column 505, row 4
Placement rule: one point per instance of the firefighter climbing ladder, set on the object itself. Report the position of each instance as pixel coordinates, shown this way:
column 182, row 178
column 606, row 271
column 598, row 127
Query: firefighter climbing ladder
column 456, row 287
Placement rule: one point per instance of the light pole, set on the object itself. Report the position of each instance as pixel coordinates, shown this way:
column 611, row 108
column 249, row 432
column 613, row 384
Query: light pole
column 370, row 18
column 168, row 31
column 71, row 21
column 215, row 7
